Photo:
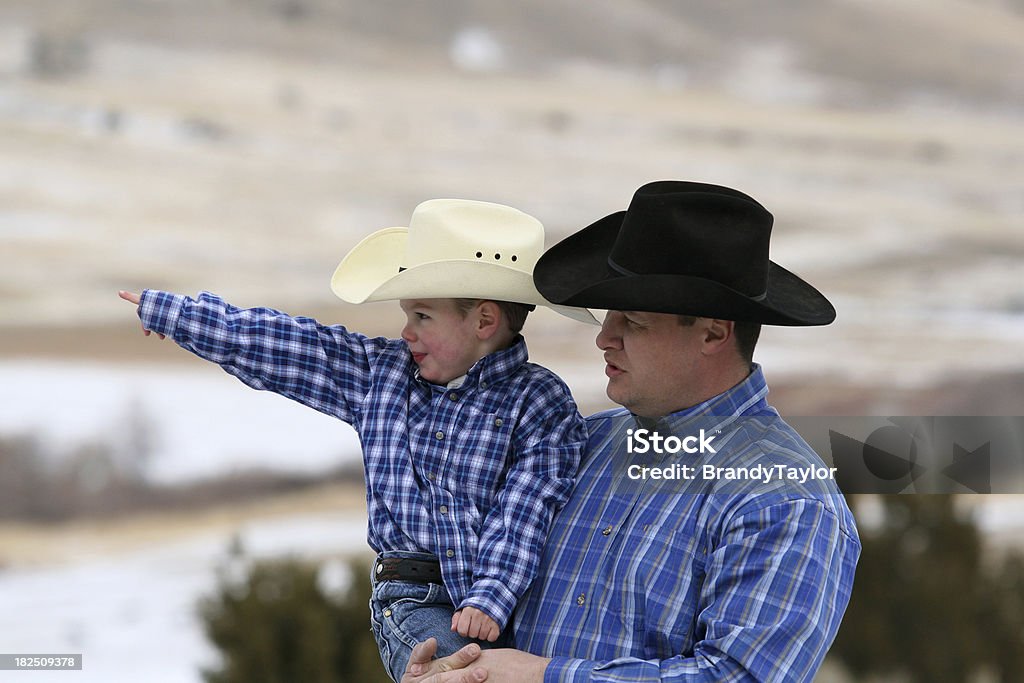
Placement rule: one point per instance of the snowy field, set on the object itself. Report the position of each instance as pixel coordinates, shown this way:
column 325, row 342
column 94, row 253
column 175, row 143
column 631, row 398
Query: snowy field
column 133, row 616
column 197, row 422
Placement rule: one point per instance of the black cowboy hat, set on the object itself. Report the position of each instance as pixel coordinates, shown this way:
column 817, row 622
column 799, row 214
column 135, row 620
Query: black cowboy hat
column 681, row 247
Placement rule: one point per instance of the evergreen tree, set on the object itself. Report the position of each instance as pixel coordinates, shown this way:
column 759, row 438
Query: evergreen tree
column 275, row 624
column 925, row 604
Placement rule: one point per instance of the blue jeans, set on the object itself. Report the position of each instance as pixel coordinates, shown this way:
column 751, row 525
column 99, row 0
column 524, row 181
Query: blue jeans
column 403, row 613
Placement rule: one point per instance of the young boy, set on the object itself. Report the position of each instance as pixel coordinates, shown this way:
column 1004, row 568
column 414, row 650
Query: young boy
column 468, row 449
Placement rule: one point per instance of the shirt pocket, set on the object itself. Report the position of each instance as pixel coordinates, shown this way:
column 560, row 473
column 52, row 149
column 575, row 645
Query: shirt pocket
column 656, row 588
column 483, row 444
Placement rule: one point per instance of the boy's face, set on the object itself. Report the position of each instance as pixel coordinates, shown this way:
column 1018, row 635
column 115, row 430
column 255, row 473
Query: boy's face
column 443, row 342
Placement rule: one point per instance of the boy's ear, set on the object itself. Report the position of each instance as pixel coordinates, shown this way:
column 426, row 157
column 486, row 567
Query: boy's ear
column 488, row 320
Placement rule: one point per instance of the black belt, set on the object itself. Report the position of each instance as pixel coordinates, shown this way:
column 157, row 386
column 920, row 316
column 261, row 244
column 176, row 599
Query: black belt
column 407, row 569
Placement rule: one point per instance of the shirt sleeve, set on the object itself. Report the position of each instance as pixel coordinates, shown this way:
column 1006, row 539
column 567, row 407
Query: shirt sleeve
column 324, row 367
column 774, row 594
column 548, row 442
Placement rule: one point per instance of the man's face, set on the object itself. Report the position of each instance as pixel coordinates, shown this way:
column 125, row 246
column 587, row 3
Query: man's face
column 442, row 341
column 651, row 361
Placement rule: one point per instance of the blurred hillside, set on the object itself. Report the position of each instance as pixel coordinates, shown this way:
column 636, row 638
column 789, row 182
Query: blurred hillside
column 243, row 146
column 836, row 51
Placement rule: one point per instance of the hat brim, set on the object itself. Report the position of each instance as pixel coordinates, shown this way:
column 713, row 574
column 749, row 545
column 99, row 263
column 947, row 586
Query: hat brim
column 371, row 271
column 576, row 272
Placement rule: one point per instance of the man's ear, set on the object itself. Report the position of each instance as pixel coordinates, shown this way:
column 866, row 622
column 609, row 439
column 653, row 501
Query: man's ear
column 488, row 320
column 717, row 335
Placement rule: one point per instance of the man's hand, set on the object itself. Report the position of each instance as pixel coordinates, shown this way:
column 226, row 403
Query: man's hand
column 472, row 623
column 133, row 298
column 511, row 666
column 451, row 669
column 494, row 666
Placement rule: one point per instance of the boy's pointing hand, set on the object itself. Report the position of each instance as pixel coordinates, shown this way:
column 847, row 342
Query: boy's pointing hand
column 130, row 297
column 133, row 298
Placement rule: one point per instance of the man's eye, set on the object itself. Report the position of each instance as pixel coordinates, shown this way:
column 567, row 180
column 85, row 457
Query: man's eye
column 422, row 316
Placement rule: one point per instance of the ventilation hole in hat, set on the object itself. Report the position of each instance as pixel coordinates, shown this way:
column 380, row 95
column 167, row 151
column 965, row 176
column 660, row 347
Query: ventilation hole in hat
column 497, row 257
column 479, row 254
column 514, row 257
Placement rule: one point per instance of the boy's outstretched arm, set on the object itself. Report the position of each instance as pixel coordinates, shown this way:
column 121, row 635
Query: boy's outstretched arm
column 327, row 368
column 133, row 298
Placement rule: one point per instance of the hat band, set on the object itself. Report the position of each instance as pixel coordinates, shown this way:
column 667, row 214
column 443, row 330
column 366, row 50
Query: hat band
column 624, row 271
column 529, row 307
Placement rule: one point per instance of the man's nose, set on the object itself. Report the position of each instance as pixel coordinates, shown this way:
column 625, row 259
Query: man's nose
column 408, row 335
column 608, row 337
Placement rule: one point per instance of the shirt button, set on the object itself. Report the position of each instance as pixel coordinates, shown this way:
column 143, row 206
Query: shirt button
column 606, row 531
column 450, row 552
column 380, row 568
column 483, row 385
column 439, row 436
column 431, row 476
column 582, row 598
column 498, row 422
column 444, row 509
column 453, row 396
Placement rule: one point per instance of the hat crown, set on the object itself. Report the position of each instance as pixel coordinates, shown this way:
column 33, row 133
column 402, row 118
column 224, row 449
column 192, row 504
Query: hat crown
column 695, row 230
column 466, row 230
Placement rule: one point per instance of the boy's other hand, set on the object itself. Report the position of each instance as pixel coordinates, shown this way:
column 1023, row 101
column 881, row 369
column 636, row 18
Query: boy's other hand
column 472, row 623
column 133, row 298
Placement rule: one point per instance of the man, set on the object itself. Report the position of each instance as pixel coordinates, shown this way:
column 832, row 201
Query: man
column 725, row 575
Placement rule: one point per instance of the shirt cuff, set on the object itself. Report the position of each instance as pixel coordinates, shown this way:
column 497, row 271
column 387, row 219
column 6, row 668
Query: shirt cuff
column 493, row 598
column 159, row 311
column 566, row 670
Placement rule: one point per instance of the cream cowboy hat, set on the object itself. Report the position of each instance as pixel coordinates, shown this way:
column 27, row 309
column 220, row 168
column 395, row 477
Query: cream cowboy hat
column 453, row 248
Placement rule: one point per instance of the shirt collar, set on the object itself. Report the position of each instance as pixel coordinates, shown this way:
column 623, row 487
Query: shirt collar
column 498, row 366
column 491, row 369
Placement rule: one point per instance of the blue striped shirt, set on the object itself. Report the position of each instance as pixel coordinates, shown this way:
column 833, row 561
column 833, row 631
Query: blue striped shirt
column 471, row 474
column 713, row 580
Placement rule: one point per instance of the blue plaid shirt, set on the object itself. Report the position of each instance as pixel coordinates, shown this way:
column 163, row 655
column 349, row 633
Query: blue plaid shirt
column 660, row 581
column 471, row 474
